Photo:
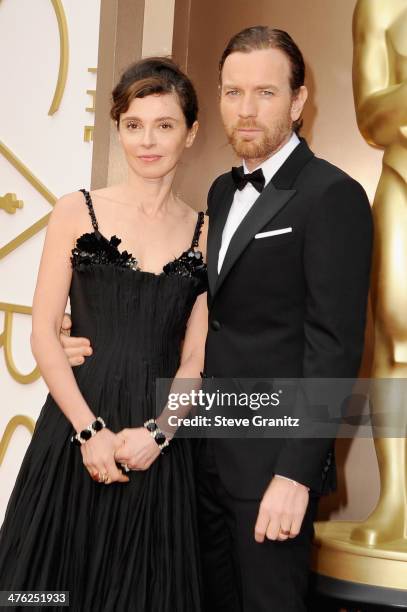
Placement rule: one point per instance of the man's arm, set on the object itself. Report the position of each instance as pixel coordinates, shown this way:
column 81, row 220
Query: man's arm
column 337, row 256
column 75, row 349
column 337, row 259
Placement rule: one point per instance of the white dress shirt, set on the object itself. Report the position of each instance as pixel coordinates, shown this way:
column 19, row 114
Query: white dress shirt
column 243, row 200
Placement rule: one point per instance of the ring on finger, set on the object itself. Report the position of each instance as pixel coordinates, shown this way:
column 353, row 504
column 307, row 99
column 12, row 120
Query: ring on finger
column 284, row 532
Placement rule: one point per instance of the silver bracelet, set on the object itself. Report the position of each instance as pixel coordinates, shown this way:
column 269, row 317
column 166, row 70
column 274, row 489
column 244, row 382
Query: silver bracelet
column 157, row 434
column 89, row 431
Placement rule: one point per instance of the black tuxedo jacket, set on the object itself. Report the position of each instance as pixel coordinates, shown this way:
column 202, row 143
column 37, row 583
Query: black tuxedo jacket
column 289, row 305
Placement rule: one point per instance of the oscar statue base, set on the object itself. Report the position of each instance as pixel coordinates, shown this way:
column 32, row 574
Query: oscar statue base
column 358, row 573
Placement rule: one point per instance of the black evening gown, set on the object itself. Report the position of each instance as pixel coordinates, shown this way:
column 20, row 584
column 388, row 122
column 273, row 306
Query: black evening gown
column 124, row 546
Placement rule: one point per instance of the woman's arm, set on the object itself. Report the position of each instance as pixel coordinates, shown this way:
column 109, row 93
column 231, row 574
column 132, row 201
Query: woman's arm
column 50, row 298
column 49, row 303
column 188, row 376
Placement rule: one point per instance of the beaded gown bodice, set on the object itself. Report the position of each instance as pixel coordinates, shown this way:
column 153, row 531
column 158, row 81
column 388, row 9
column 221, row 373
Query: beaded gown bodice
column 133, row 316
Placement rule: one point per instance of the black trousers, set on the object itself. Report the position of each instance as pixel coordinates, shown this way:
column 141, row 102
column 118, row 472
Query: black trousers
column 239, row 574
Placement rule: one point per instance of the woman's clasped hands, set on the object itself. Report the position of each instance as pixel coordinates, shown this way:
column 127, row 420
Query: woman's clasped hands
column 133, row 448
column 138, row 449
column 98, row 454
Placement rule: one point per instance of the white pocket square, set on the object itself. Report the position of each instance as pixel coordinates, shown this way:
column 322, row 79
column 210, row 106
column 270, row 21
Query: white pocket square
column 285, row 230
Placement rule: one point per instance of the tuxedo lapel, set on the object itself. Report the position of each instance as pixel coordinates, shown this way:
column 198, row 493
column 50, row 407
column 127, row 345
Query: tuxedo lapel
column 267, row 205
column 217, row 221
column 272, row 199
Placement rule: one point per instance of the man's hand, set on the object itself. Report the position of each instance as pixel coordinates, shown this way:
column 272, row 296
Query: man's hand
column 281, row 510
column 76, row 349
column 138, row 450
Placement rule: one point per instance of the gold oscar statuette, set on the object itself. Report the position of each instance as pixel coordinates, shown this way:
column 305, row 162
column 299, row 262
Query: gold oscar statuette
column 374, row 552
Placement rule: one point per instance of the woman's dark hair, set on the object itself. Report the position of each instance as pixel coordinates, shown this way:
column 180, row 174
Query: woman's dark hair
column 154, row 75
column 264, row 37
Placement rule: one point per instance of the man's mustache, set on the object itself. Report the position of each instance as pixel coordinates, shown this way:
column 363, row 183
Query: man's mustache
column 248, row 125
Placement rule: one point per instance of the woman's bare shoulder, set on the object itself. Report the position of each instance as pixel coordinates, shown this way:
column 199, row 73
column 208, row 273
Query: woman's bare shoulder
column 70, row 212
column 69, row 204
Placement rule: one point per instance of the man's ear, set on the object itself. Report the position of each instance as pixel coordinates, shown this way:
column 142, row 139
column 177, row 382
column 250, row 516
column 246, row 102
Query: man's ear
column 298, row 102
column 192, row 134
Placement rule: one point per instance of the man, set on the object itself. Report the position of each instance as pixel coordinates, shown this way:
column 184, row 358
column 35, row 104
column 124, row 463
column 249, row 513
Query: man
column 288, row 281
column 288, row 263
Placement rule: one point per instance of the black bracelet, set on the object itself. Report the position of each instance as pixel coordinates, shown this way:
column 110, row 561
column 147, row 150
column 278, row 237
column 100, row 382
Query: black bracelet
column 89, row 431
column 158, row 435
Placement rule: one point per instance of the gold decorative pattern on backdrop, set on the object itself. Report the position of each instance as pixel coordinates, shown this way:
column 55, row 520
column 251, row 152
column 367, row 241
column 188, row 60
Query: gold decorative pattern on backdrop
column 10, row 309
column 40, row 187
column 9, row 203
column 88, row 133
column 91, row 92
column 16, row 421
column 63, row 56
column 88, row 129
column 5, row 342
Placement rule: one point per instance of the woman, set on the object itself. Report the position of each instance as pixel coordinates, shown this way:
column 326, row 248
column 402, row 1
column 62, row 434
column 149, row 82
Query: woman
column 98, row 508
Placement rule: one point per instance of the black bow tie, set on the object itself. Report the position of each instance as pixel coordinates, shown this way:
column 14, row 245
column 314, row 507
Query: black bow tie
column 241, row 179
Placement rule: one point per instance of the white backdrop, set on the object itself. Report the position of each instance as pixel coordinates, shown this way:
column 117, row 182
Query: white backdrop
column 55, row 152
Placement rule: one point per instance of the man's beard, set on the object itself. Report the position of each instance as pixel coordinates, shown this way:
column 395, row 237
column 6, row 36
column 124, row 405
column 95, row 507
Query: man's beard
column 270, row 141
